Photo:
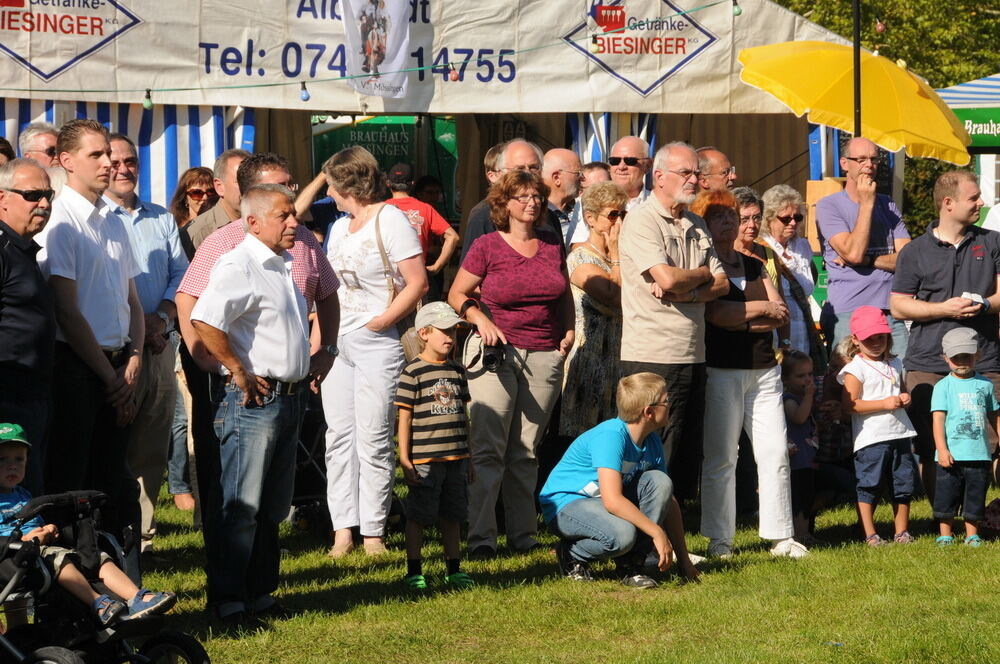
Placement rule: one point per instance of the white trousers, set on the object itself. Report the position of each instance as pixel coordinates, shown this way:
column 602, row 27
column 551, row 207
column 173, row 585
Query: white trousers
column 751, row 399
column 357, row 403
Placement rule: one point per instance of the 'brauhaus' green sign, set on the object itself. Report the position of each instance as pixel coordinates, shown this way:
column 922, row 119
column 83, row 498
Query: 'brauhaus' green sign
column 983, row 125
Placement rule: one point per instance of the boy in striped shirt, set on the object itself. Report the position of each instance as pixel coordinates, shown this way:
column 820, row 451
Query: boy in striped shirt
column 433, row 444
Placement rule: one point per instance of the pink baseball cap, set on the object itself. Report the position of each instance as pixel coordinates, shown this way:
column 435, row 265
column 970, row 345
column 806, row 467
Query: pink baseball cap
column 866, row 321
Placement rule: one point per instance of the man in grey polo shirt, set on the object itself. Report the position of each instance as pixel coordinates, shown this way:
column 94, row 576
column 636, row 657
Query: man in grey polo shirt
column 664, row 247
column 947, row 278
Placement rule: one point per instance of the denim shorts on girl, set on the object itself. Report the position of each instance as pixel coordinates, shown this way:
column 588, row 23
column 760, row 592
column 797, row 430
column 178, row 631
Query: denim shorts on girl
column 886, row 464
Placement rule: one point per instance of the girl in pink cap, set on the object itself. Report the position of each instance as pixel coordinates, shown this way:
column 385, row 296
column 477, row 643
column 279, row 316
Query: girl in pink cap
column 876, row 398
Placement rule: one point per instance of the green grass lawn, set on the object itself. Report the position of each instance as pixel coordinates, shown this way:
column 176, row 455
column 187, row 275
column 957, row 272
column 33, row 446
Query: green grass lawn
column 844, row 603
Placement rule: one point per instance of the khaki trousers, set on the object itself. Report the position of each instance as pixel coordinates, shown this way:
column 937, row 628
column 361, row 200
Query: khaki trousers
column 509, row 412
column 149, row 433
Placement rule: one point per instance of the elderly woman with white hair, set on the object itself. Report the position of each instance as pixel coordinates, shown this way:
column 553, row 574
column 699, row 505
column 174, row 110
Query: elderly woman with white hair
column 790, row 264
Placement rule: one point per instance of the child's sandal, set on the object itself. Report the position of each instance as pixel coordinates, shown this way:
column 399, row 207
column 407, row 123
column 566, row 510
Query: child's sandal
column 945, row 540
column 146, row 603
column 108, row 611
column 873, row 540
column 974, row 540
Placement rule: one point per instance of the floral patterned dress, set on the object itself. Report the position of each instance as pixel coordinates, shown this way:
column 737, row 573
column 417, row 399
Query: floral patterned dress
column 592, row 371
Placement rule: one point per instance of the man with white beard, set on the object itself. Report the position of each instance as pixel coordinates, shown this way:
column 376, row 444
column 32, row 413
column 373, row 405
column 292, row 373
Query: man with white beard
column 665, row 248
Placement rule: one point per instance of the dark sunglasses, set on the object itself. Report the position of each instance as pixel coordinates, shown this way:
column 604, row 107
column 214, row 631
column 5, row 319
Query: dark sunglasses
column 787, row 220
column 615, row 215
column 35, row 195
column 48, row 152
column 200, row 194
column 629, row 161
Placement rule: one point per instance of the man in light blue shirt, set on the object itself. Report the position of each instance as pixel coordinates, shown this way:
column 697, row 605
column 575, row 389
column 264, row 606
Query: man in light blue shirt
column 161, row 262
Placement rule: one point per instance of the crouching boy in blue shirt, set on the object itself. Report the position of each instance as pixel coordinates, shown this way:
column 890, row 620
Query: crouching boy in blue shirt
column 610, row 496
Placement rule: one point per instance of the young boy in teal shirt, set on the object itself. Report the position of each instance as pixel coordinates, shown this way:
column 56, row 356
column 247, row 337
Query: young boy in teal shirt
column 962, row 404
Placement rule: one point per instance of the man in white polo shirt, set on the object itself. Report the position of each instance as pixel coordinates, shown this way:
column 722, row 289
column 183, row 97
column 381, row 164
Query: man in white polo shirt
column 253, row 319
column 87, row 257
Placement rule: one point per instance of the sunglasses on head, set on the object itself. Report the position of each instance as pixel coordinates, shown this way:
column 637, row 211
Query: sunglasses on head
column 34, row 195
column 629, row 161
column 615, row 215
column 787, row 220
column 200, row 194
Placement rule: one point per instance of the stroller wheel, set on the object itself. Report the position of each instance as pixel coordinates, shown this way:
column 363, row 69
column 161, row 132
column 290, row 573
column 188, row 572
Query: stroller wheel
column 53, row 655
column 174, row 648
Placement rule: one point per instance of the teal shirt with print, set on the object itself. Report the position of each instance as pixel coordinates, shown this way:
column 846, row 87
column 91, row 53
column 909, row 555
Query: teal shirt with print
column 608, row 445
column 968, row 403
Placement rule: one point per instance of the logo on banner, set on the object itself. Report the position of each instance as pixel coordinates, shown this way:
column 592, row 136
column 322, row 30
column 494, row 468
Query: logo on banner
column 642, row 43
column 377, row 45
column 48, row 37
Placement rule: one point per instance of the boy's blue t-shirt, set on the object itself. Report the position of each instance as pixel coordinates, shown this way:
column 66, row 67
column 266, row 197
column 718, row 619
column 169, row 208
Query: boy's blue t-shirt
column 608, row 445
column 967, row 402
column 10, row 504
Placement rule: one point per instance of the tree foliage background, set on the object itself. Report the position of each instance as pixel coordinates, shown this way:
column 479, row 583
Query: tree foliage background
column 945, row 41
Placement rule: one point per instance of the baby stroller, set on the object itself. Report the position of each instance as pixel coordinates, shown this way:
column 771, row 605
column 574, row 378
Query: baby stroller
column 64, row 630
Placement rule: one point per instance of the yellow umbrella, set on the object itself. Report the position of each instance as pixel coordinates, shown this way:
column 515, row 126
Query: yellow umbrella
column 899, row 109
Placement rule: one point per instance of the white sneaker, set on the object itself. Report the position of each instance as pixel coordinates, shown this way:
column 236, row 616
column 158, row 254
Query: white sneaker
column 789, row 548
column 653, row 559
column 720, row 548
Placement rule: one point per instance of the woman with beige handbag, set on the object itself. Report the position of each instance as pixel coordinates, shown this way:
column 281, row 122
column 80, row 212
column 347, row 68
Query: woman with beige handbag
column 380, row 262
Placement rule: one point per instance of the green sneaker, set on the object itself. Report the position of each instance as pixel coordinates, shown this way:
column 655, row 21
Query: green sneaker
column 459, row 580
column 416, row 582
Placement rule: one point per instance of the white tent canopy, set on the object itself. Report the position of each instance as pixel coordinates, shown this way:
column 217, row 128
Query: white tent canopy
column 520, row 56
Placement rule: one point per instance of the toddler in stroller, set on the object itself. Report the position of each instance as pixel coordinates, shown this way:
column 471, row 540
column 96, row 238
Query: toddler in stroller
column 63, row 562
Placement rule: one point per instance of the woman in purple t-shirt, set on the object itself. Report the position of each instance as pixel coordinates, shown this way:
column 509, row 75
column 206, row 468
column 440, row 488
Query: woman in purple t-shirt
column 527, row 312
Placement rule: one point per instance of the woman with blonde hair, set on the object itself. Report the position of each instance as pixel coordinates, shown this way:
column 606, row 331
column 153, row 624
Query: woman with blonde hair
column 378, row 258
column 595, row 278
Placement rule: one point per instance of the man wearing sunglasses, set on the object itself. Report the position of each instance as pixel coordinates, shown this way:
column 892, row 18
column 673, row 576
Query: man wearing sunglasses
column 38, row 141
column 27, row 310
column 717, row 172
column 156, row 247
column 630, row 162
column 88, row 257
column 861, row 232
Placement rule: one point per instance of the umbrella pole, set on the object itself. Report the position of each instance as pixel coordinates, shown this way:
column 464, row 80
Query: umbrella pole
column 857, row 67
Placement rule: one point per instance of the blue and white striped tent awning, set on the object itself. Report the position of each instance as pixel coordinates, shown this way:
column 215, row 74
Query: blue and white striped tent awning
column 593, row 134
column 170, row 138
column 982, row 93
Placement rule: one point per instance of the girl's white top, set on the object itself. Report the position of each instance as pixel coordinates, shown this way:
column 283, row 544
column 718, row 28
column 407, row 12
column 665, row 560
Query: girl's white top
column 878, row 381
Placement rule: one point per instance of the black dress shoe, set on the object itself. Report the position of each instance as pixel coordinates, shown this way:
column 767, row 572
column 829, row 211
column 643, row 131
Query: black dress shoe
column 483, row 552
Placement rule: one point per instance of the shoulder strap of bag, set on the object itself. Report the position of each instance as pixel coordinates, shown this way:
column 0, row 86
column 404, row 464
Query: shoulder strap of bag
column 386, row 265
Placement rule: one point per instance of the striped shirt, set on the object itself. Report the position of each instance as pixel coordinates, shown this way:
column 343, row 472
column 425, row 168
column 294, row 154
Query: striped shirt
column 311, row 271
column 437, row 395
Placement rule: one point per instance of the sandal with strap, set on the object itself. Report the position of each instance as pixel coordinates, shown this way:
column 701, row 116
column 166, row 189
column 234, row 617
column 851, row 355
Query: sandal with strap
column 945, row 540
column 147, row 602
column 108, row 611
column 874, row 540
column 974, row 540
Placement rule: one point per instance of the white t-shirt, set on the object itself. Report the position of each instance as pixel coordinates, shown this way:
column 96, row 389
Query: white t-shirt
column 363, row 291
column 878, row 381
column 85, row 243
column 252, row 298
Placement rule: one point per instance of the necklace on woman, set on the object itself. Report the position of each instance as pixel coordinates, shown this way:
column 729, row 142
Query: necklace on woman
column 597, row 251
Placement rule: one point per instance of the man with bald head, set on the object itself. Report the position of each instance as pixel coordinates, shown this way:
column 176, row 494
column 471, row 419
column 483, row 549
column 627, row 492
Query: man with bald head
column 561, row 171
column 27, row 309
column 518, row 155
column 630, row 162
column 717, row 172
column 662, row 245
column 861, row 232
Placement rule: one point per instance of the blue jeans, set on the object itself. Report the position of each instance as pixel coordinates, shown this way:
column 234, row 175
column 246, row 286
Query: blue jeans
column 840, row 324
column 257, row 453
column 178, row 469
column 598, row 535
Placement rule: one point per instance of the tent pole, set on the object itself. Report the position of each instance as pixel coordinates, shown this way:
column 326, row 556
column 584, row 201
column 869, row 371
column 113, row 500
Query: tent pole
column 857, row 67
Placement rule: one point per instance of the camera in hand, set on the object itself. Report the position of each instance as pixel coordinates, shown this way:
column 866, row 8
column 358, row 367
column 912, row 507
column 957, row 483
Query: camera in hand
column 492, row 357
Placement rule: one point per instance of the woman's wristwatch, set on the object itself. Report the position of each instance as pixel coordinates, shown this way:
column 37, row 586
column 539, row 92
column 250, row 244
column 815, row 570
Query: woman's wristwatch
column 469, row 303
column 332, row 350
